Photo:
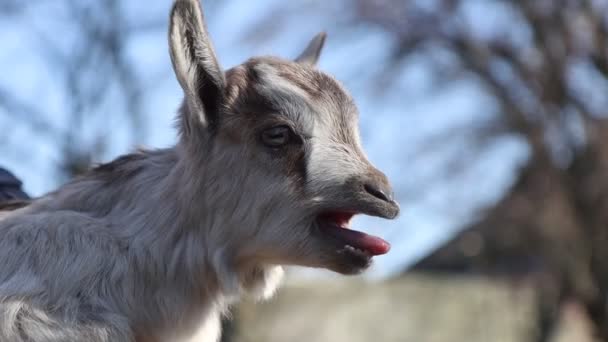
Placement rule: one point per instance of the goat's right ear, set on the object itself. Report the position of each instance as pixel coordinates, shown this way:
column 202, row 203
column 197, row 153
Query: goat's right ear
column 195, row 64
column 311, row 53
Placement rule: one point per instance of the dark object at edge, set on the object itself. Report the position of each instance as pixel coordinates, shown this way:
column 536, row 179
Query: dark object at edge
column 10, row 187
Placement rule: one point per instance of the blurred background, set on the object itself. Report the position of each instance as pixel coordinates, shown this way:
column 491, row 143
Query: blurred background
column 489, row 116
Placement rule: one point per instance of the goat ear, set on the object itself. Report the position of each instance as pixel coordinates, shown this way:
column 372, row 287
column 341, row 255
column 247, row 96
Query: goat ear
column 311, row 54
column 195, row 64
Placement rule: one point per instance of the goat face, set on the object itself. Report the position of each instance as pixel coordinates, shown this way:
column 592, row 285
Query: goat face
column 283, row 162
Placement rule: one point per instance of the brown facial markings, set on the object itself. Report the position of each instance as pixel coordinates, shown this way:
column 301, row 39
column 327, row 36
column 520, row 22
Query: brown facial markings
column 295, row 166
column 246, row 107
column 319, row 86
column 323, row 90
column 249, row 105
column 334, row 105
column 306, row 80
column 236, row 82
column 243, row 98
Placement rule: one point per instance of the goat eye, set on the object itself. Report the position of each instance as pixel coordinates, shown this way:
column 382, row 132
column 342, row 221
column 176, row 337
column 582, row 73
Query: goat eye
column 276, row 136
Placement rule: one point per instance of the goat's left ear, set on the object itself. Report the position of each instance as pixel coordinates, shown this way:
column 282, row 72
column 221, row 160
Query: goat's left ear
column 311, row 54
column 195, row 64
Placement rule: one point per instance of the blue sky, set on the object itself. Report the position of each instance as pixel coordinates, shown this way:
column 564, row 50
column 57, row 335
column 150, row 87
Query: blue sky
column 394, row 121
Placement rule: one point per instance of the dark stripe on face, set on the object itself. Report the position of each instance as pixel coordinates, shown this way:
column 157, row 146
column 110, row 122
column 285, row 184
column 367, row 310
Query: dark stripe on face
column 243, row 101
column 300, row 166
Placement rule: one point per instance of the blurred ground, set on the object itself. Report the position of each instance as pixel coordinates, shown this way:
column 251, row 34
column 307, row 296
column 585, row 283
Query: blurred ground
column 416, row 307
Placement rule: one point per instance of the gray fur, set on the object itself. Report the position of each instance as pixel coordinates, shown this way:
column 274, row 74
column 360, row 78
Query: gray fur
column 155, row 245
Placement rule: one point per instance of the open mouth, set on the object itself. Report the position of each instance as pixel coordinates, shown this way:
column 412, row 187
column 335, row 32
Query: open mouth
column 337, row 225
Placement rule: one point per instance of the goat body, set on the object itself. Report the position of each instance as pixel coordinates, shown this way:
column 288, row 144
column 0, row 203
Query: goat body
column 154, row 246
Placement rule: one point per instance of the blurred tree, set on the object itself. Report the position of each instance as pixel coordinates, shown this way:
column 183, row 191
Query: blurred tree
column 545, row 64
column 83, row 45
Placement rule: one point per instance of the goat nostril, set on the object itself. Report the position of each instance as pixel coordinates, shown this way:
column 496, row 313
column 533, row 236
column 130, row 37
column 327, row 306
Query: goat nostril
column 376, row 192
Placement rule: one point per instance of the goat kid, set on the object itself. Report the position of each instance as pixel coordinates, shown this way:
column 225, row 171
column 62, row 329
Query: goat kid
column 153, row 246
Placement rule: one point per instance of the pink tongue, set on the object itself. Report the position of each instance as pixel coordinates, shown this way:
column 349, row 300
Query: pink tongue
column 369, row 243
